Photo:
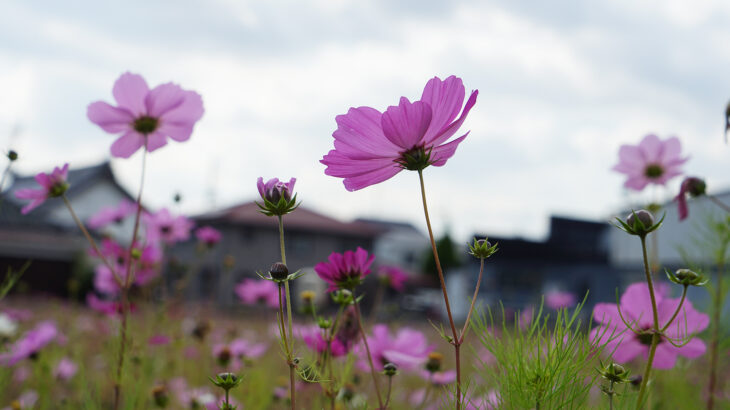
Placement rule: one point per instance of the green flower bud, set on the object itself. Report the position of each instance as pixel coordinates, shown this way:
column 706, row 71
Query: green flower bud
column 686, row 277
column 226, row 381
column 482, row 249
column 639, row 223
column 390, row 369
column 12, row 155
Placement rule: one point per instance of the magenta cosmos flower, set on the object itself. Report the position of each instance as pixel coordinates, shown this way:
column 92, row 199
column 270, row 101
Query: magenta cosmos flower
column 345, row 270
column 273, row 190
column 52, row 185
column 408, row 349
column 163, row 226
column 112, row 214
column 371, row 147
column 30, row 344
column 693, row 187
column 146, row 117
column 258, row 291
column 636, row 310
column 653, row 161
column 394, row 277
column 558, row 300
column 65, row 369
column 312, row 337
column 208, row 235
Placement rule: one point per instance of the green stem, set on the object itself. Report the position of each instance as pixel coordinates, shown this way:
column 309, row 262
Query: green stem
column 473, row 299
column 455, row 341
column 290, row 344
column 655, row 337
column 676, row 312
column 610, row 396
column 367, row 350
column 390, row 386
column 714, row 345
column 719, row 203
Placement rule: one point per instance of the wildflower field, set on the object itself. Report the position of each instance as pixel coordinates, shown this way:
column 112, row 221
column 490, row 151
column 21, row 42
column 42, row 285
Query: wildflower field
column 134, row 342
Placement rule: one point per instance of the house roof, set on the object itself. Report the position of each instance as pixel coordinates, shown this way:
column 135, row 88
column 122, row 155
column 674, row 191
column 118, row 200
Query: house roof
column 385, row 226
column 302, row 219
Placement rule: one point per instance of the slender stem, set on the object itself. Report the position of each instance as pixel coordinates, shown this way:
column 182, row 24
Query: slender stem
column 719, row 203
column 676, row 312
column 473, row 299
column 228, row 403
column 610, row 396
column 427, row 390
column 125, row 287
column 455, row 341
column 716, row 310
column 282, row 328
column 655, row 337
column 390, row 386
column 367, row 349
column 290, row 343
column 2, row 181
column 91, row 240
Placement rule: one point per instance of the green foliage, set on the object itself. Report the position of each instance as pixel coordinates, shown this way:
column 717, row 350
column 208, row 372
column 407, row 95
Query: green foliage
column 547, row 364
column 12, row 277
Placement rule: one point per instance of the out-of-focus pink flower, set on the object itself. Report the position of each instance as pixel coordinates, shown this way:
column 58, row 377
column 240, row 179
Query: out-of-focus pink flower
column 26, row 400
column 636, row 310
column 107, row 307
column 394, row 277
column 345, row 270
column 18, row 315
column 258, row 291
column 158, row 340
column 408, row 350
column 146, row 117
column 21, row 374
column 525, row 317
column 371, row 147
column 693, row 187
column 30, row 344
column 164, row 227
column 192, row 398
column 233, row 355
column 558, row 300
column 208, row 235
column 312, row 337
column 112, row 214
column 65, row 369
column 653, row 161
column 273, row 190
column 145, row 267
column 52, row 185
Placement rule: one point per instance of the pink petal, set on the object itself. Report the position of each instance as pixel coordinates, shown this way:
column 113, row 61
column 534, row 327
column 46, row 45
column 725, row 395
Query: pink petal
column 636, row 183
column 628, row 348
column 672, row 150
column 111, row 119
column 665, row 356
column 651, row 148
column 178, row 122
column 127, row 144
column 636, row 304
column 441, row 154
column 445, row 98
column 359, row 135
column 451, row 129
column 405, row 124
column 163, row 99
column 607, row 314
column 130, row 91
column 694, row 348
column 156, row 140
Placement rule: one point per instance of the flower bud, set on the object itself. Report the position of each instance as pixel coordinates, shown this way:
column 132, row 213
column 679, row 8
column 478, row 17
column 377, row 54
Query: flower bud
column 324, row 323
column 12, row 155
column 646, row 218
column 482, row 248
column 694, row 186
column 226, row 381
column 686, row 277
column 615, row 373
column 160, row 396
column 434, row 362
column 389, row 369
column 307, row 296
column 279, row 271
column 639, row 223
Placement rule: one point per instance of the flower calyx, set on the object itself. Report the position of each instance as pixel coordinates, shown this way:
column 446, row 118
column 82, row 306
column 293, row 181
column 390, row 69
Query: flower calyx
column 482, row 248
column 686, row 277
column 639, row 223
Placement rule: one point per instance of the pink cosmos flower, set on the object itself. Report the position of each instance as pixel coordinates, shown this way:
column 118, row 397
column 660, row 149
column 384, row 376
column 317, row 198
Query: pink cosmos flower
column 192, row 398
column 371, row 147
column 106, row 307
column 693, row 187
column 30, row 344
column 145, row 267
column 273, row 190
column 208, row 235
column 158, row 340
column 345, row 270
column 27, row 400
column 65, row 369
column 233, row 355
column 112, row 214
column 146, row 117
column 258, row 291
column 558, row 300
column 408, row 350
column 52, row 185
column 653, row 161
column 312, row 337
column 164, row 227
column 636, row 310
column 394, row 277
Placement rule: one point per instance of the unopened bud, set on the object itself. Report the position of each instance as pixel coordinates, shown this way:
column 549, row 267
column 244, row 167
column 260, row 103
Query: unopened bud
column 279, row 271
column 646, row 218
column 694, row 186
column 434, row 362
column 12, row 155
column 389, row 369
column 160, row 396
column 226, row 381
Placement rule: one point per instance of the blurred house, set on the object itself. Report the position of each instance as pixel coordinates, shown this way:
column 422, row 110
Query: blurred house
column 251, row 243
column 48, row 235
column 574, row 258
column 398, row 243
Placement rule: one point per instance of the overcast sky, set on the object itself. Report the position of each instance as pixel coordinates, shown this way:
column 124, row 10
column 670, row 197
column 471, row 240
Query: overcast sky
column 562, row 85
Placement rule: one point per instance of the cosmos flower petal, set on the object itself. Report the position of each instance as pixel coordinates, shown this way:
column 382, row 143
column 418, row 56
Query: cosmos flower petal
column 187, row 113
column 442, row 153
column 156, row 140
column 127, row 144
column 163, row 99
column 451, row 129
column 665, row 356
column 110, row 119
column 405, row 124
column 129, row 91
column 651, row 148
column 446, row 99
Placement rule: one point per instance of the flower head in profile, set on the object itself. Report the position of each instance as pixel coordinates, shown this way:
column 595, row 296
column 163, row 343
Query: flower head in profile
column 636, row 310
column 258, row 291
column 278, row 196
column 693, row 187
column 371, row 147
column 312, row 337
column 164, row 227
column 144, row 117
column 30, row 344
column 653, row 161
column 52, row 185
column 345, row 270
column 112, row 214
column 208, row 235
column 394, row 277
column 408, row 349
column 65, row 369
